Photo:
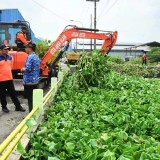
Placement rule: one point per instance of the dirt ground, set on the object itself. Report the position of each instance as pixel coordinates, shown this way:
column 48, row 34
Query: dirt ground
column 8, row 121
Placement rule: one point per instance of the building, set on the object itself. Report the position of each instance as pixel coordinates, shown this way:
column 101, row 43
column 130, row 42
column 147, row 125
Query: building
column 124, row 50
column 120, row 49
column 10, row 15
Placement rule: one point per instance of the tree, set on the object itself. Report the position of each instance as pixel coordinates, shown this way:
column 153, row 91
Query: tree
column 42, row 47
column 154, row 55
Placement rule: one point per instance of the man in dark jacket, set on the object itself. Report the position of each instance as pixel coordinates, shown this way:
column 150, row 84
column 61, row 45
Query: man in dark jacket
column 6, row 80
column 31, row 73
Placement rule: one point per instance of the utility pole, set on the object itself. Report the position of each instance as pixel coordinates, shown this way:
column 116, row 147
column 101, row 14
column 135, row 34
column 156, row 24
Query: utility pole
column 91, row 27
column 95, row 17
column 95, row 21
column 82, row 27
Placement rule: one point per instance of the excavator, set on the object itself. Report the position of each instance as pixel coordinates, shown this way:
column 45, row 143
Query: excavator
column 9, row 30
column 74, row 32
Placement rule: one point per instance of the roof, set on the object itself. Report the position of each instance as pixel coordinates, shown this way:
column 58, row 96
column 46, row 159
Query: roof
column 144, row 46
column 9, row 9
column 86, row 43
column 100, row 42
column 9, row 15
column 149, row 44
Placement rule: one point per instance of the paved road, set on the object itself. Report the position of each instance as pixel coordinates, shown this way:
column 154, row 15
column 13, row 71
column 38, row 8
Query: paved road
column 8, row 121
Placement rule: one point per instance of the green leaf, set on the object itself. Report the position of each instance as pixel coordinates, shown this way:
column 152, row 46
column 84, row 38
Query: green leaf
column 42, row 131
column 144, row 156
column 53, row 158
column 92, row 156
column 123, row 158
column 31, row 122
column 52, row 147
column 93, row 142
column 109, row 155
column 20, row 148
column 108, row 139
column 70, row 146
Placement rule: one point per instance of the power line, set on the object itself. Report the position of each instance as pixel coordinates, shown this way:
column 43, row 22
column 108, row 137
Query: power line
column 104, row 7
column 83, row 9
column 109, row 9
column 88, row 13
column 85, row 14
column 47, row 9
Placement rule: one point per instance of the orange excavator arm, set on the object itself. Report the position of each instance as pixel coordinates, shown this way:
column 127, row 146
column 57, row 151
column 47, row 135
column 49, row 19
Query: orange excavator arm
column 67, row 35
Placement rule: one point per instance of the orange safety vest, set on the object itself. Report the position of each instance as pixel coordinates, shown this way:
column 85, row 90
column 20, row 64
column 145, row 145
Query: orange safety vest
column 20, row 36
column 6, row 64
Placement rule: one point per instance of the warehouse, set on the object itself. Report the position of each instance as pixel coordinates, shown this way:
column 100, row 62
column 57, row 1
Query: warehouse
column 120, row 49
column 124, row 50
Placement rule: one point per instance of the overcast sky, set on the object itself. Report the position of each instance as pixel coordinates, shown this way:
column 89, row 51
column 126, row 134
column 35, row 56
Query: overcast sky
column 135, row 20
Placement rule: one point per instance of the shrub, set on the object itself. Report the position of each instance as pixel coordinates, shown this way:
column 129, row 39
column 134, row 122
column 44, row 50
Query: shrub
column 136, row 60
column 154, row 55
column 42, row 47
column 115, row 59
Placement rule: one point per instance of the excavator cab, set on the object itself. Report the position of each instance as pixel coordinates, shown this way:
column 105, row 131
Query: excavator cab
column 8, row 32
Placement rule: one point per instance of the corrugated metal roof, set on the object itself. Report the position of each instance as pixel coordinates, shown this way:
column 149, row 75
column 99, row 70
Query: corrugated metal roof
column 9, row 15
column 150, row 44
column 145, row 46
column 118, row 46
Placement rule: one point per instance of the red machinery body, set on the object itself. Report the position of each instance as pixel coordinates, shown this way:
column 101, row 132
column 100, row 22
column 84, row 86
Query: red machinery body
column 19, row 59
column 67, row 35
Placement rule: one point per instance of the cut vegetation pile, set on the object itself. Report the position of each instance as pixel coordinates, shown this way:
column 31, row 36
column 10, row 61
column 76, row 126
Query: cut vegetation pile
column 100, row 115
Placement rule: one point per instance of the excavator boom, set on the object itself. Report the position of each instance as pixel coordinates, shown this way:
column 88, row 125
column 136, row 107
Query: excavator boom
column 84, row 33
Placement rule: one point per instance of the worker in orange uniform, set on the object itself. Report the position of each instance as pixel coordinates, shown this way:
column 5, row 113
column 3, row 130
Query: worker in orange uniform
column 21, row 39
column 144, row 58
column 6, row 80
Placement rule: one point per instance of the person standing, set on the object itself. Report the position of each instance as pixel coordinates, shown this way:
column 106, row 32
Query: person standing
column 6, row 80
column 31, row 73
column 144, row 58
column 21, row 39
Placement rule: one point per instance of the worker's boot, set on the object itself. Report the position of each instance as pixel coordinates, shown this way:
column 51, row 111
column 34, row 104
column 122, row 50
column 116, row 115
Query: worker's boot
column 5, row 109
column 21, row 109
